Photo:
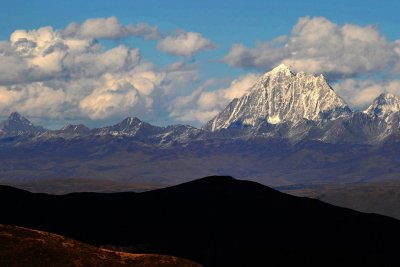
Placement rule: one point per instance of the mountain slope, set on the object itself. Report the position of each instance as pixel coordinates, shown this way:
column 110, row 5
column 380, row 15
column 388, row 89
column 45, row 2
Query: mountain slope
column 280, row 105
column 16, row 125
column 28, row 247
column 384, row 106
column 216, row 221
column 282, row 96
column 290, row 128
column 130, row 126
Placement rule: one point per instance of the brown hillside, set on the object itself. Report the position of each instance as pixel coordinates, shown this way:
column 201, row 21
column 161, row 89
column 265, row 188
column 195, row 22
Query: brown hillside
column 26, row 247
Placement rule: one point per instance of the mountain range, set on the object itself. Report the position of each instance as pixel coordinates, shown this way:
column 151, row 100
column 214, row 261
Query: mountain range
column 289, row 128
column 215, row 221
column 280, row 104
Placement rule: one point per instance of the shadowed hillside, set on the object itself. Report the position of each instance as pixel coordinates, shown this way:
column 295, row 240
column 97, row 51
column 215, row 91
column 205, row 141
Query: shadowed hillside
column 216, row 221
column 28, row 247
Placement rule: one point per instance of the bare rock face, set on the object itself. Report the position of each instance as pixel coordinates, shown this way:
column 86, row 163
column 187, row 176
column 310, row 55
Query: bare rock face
column 385, row 112
column 281, row 96
column 384, row 106
column 281, row 104
column 16, row 125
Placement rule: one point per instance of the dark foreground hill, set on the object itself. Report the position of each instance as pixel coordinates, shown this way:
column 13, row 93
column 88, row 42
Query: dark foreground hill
column 27, row 247
column 216, row 221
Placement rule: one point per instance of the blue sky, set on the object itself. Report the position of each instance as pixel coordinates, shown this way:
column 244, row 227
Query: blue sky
column 221, row 24
column 242, row 21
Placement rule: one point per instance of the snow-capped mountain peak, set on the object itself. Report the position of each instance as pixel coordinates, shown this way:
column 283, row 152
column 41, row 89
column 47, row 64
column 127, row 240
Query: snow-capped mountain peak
column 128, row 124
column 131, row 121
column 383, row 106
column 128, row 127
column 281, row 69
column 282, row 96
column 75, row 128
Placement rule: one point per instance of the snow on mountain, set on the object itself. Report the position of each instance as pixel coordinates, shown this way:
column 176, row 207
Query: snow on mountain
column 384, row 106
column 67, row 132
column 133, row 127
column 72, row 130
column 75, row 128
column 282, row 96
column 128, row 127
column 281, row 104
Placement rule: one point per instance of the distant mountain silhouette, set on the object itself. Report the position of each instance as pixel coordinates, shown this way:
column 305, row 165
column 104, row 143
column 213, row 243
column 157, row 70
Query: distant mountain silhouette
column 216, row 221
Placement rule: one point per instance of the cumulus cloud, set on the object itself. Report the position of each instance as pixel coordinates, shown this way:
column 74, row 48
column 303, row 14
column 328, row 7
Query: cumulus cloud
column 57, row 74
column 45, row 54
column 202, row 105
column 360, row 93
column 109, row 101
column 37, row 100
column 316, row 45
column 178, row 73
column 110, row 28
column 184, row 44
column 67, row 73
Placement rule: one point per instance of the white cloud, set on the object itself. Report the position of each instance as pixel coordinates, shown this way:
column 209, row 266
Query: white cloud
column 45, row 54
column 110, row 28
column 57, row 74
column 202, row 105
column 239, row 87
column 177, row 74
column 109, row 101
column 316, row 45
column 37, row 100
column 184, row 44
column 67, row 73
column 360, row 93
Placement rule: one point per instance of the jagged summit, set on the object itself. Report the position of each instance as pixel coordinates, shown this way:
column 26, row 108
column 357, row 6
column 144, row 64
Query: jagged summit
column 75, row 129
column 16, row 117
column 282, row 68
column 131, row 121
column 129, row 126
column 281, row 104
column 384, row 105
column 16, row 125
column 282, row 96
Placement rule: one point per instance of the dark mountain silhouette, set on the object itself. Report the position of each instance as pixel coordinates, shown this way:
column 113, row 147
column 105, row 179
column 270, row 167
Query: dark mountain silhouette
column 27, row 247
column 216, row 221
